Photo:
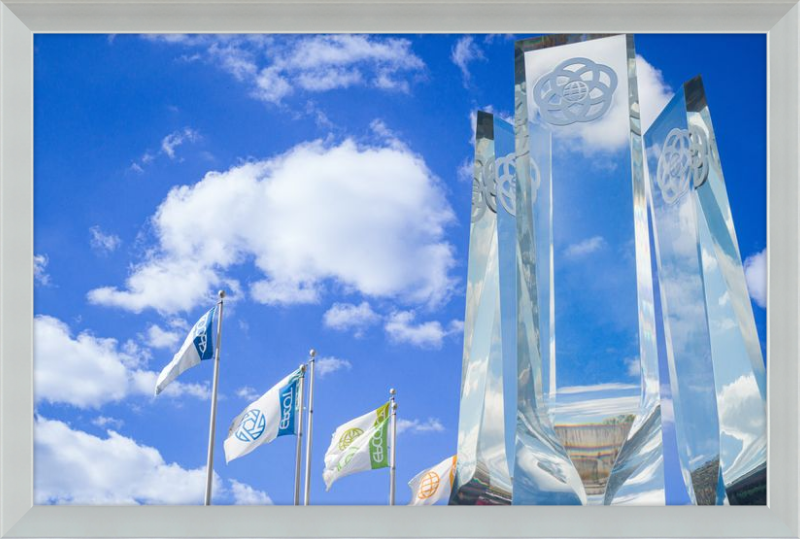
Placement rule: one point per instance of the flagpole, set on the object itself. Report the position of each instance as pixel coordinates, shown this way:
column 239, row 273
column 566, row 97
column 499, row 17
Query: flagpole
column 311, row 355
column 213, row 420
column 392, row 470
column 299, row 452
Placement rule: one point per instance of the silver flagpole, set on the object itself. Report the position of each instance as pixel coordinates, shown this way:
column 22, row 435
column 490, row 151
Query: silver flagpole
column 213, row 421
column 392, row 467
column 299, row 453
column 311, row 355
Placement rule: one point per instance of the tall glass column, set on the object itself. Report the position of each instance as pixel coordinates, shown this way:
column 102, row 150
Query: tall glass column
column 582, row 216
column 717, row 369
column 488, row 384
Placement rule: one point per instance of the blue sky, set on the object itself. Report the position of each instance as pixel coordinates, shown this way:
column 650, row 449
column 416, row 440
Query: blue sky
column 325, row 183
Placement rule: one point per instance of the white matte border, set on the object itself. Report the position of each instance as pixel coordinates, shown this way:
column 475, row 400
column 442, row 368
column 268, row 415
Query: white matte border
column 19, row 19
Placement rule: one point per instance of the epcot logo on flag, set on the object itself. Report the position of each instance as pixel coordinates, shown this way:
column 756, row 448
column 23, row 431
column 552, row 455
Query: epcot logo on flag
column 252, row 426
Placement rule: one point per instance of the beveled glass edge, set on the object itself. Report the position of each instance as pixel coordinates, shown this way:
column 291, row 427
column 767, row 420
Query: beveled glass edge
column 779, row 520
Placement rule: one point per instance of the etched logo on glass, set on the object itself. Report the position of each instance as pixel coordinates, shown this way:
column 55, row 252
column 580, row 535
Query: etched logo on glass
column 577, row 90
column 683, row 162
column 507, row 182
column 487, row 193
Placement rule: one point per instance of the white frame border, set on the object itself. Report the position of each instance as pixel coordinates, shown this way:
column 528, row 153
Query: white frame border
column 19, row 19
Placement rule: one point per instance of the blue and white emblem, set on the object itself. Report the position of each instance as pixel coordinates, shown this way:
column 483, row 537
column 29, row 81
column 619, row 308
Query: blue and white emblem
column 252, row 426
column 577, row 90
column 202, row 335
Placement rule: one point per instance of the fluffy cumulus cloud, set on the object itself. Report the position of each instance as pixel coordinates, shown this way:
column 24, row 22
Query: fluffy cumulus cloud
column 383, row 237
column 74, row 467
column 464, row 52
column 87, row 371
column 347, row 316
column 755, row 273
column 401, row 328
column 246, row 495
column 328, row 365
column 273, row 69
column 157, row 337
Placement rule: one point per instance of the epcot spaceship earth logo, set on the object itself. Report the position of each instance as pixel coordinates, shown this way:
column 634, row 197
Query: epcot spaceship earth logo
column 577, row 90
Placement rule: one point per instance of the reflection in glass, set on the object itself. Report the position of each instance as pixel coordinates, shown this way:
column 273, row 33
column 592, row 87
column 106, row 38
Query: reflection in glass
column 489, row 360
column 581, row 215
column 713, row 345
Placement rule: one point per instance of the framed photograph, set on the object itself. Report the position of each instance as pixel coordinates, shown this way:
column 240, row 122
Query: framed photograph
column 539, row 258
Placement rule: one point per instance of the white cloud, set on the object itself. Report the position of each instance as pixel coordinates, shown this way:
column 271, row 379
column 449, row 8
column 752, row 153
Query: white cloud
column 383, row 236
column 755, row 273
column 347, row 316
column 102, row 242
column 103, row 422
column 88, row 371
column 401, row 328
column 176, row 138
column 275, row 68
column 415, row 426
column 247, row 393
column 246, row 495
column 654, row 92
column 464, row 52
column 466, row 170
column 634, row 366
column 162, row 338
column 328, row 365
column 40, row 275
column 74, row 467
column 595, row 410
column 585, row 247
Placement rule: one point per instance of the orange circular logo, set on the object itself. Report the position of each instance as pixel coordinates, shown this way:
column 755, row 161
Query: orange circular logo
column 428, row 486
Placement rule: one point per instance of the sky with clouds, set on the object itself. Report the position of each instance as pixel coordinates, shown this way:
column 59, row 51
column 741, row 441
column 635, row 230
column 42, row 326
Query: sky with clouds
column 324, row 182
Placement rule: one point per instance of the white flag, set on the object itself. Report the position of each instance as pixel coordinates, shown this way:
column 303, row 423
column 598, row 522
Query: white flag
column 359, row 445
column 198, row 346
column 433, row 484
column 274, row 414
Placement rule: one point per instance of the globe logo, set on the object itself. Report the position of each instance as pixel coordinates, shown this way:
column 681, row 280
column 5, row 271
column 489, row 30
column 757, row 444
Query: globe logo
column 428, row 486
column 683, row 162
column 577, row 90
column 349, row 437
column 506, row 189
column 483, row 192
column 252, row 426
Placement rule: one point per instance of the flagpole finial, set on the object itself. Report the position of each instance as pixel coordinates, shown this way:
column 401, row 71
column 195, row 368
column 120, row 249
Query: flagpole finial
column 221, row 294
column 312, row 353
column 392, row 392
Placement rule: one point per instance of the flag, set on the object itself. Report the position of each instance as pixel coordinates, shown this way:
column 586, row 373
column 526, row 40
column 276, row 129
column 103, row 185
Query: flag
column 274, row 414
column 198, row 346
column 433, row 484
column 359, row 445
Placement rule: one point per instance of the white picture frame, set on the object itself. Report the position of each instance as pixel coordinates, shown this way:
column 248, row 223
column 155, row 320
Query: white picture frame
column 21, row 19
